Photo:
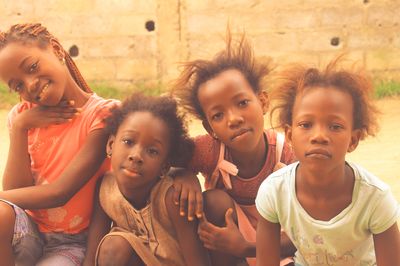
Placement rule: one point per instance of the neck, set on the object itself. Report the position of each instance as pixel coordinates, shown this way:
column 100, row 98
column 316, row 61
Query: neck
column 140, row 196
column 251, row 162
column 74, row 93
column 327, row 184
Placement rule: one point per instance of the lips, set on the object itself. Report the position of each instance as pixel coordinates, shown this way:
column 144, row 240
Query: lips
column 43, row 92
column 319, row 153
column 133, row 172
column 240, row 132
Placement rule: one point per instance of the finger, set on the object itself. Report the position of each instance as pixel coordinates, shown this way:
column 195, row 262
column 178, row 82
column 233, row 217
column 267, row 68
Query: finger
column 191, row 205
column 183, row 202
column 66, row 103
column 199, row 205
column 177, row 192
column 229, row 218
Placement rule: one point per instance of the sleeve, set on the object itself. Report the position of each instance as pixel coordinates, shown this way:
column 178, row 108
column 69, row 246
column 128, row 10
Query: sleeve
column 385, row 212
column 205, row 155
column 18, row 108
column 266, row 200
column 101, row 111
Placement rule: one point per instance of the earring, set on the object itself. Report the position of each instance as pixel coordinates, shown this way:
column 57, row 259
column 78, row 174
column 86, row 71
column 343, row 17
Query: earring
column 108, row 154
column 62, row 61
column 214, row 136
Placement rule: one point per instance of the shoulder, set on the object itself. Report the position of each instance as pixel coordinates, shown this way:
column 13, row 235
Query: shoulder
column 279, row 180
column 16, row 109
column 98, row 103
column 368, row 180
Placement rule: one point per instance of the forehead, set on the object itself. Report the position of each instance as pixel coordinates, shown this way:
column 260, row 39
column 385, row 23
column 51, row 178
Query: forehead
column 225, row 85
column 324, row 101
column 145, row 121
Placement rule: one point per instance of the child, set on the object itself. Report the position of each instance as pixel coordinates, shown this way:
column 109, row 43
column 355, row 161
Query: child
column 56, row 151
column 146, row 137
column 238, row 154
column 334, row 211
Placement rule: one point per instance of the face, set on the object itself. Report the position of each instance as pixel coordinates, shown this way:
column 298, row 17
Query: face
column 233, row 111
column 35, row 73
column 139, row 152
column 322, row 128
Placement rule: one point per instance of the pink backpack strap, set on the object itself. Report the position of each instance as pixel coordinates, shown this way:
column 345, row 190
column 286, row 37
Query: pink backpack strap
column 280, row 140
column 223, row 169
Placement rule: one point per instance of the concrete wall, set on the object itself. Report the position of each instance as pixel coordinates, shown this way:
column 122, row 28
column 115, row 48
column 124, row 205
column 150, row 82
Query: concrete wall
column 115, row 47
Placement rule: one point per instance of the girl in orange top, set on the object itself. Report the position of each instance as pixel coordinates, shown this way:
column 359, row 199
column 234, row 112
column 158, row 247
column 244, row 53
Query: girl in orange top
column 56, row 151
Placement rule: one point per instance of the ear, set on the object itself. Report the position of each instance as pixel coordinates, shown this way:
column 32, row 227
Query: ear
column 57, row 48
column 288, row 133
column 355, row 139
column 263, row 97
column 165, row 169
column 110, row 144
column 208, row 128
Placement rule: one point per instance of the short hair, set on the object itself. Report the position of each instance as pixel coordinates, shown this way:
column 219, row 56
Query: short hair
column 297, row 78
column 164, row 108
column 237, row 56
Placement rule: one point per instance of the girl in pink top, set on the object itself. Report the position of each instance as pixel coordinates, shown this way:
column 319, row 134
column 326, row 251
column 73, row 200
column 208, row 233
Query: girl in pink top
column 237, row 155
column 57, row 150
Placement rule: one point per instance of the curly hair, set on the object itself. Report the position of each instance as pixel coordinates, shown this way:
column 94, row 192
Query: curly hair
column 164, row 108
column 237, row 56
column 297, row 78
column 36, row 33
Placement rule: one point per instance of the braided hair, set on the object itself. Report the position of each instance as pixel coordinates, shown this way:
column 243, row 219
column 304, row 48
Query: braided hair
column 35, row 32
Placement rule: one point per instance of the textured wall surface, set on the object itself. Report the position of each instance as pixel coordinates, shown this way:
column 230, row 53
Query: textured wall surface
column 117, row 45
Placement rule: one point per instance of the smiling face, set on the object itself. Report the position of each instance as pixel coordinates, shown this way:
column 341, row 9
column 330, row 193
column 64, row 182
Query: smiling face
column 35, row 73
column 139, row 152
column 233, row 111
column 322, row 128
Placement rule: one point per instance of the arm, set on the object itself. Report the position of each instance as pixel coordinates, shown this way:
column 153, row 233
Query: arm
column 84, row 165
column 187, row 192
column 18, row 168
column 99, row 226
column 193, row 251
column 387, row 247
column 268, row 243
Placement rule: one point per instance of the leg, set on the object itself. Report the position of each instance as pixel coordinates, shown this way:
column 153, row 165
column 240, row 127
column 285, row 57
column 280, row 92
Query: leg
column 63, row 249
column 216, row 203
column 116, row 251
column 7, row 222
column 20, row 241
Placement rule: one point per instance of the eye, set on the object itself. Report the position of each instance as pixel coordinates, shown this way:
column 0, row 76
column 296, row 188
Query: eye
column 217, row 116
column 305, row 125
column 153, row 151
column 18, row 87
column 336, row 127
column 127, row 142
column 243, row 103
column 33, row 67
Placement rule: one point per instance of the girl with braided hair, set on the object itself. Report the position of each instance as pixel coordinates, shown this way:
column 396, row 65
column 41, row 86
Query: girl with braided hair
column 57, row 151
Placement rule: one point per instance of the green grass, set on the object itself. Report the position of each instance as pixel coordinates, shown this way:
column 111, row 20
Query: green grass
column 386, row 88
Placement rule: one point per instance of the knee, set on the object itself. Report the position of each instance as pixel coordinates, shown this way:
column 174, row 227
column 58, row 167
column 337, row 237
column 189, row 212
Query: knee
column 216, row 203
column 7, row 221
column 114, row 250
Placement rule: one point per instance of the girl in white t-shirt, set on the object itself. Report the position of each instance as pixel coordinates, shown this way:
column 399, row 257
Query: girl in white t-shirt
column 335, row 212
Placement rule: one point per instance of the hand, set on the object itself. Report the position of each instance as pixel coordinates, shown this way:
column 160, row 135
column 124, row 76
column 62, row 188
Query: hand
column 278, row 166
column 43, row 116
column 188, row 194
column 226, row 239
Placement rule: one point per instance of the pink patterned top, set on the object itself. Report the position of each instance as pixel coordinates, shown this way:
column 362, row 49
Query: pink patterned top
column 205, row 161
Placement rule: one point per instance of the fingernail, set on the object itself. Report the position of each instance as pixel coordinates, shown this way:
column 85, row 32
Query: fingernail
column 72, row 102
column 182, row 213
column 190, row 218
column 199, row 215
column 176, row 202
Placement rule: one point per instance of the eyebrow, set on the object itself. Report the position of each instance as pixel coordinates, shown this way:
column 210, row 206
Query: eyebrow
column 155, row 139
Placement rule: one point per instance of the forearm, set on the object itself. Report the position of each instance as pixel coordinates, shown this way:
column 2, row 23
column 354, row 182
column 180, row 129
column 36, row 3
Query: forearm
column 248, row 250
column 17, row 172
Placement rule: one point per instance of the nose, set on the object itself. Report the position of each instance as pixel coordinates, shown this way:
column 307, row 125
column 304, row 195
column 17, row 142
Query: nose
column 319, row 135
column 235, row 118
column 32, row 84
column 135, row 156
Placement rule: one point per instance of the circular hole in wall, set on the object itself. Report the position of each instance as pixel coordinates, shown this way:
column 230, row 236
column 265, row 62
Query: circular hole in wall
column 335, row 41
column 150, row 25
column 73, row 51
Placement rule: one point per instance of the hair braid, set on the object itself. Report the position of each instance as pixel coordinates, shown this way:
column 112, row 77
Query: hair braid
column 36, row 32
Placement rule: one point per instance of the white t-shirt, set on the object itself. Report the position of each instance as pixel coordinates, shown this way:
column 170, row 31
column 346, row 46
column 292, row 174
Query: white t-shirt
column 344, row 240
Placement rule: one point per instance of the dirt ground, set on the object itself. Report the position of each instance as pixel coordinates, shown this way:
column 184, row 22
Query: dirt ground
column 380, row 155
